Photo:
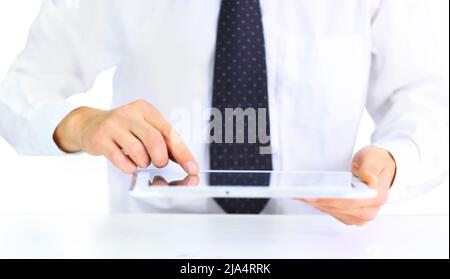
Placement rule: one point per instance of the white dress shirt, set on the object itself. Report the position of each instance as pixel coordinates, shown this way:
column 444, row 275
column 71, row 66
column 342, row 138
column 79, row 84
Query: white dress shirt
column 327, row 61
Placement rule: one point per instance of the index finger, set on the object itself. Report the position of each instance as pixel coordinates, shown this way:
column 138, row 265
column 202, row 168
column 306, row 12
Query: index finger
column 178, row 150
column 345, row 204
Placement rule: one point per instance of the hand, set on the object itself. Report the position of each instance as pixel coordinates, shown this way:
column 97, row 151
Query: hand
column 131, row 136
column 374, row 166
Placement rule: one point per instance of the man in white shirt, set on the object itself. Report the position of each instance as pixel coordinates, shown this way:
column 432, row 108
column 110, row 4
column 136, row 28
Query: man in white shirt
column 325, row 62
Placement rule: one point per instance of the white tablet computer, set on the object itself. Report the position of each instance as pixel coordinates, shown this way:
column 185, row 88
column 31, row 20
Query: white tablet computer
column 248, row 184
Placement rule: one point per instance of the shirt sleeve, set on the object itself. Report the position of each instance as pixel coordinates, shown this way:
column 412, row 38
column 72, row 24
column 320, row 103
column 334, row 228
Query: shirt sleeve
column 69, row 44
column 408, row 96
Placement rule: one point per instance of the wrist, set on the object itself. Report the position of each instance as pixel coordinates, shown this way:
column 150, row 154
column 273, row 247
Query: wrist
column 68, row 134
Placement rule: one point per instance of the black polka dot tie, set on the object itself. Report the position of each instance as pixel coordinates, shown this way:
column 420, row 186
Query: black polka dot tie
column 240, row 82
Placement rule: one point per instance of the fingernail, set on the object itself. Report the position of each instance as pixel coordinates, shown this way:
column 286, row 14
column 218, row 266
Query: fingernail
column 193, row 181
column 192, row 168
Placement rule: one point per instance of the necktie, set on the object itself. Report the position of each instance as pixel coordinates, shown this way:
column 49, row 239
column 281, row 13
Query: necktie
column 240, row 84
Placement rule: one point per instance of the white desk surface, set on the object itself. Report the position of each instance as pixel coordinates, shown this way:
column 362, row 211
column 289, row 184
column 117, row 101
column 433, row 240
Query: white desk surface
column 49, row 210
column 220, row 236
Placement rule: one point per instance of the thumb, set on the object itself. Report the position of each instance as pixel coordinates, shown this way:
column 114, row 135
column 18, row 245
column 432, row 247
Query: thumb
column 367, row 168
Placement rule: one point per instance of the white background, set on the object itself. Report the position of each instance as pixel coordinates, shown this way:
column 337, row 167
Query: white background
column 16, row 17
